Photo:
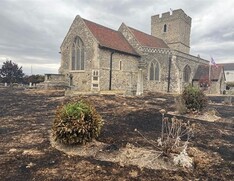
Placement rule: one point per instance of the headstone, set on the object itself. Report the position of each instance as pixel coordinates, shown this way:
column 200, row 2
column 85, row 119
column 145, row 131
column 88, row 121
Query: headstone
column 130, row 90
column 140, row 83
column 5, row 84
column 30, row 84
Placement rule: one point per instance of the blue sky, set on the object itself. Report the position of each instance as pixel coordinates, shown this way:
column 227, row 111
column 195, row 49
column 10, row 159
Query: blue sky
column 33, row 30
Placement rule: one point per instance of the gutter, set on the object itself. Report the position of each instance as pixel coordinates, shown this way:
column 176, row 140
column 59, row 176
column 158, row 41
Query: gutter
column 110, row 78
column 119, row 51
column 169, row 74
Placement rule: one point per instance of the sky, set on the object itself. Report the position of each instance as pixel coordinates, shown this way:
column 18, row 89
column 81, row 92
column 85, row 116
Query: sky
column 31, row 31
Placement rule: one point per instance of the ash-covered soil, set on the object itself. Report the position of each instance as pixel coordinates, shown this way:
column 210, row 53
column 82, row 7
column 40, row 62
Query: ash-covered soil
column 26, row 117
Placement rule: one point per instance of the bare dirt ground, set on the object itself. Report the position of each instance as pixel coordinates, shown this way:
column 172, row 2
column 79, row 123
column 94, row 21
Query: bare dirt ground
column 26, row 153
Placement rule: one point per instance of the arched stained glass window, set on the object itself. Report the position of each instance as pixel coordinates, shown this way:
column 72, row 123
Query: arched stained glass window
column 77, row 55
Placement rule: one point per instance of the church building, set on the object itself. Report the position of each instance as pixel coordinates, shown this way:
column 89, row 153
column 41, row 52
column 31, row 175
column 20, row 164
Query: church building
column 95, row 58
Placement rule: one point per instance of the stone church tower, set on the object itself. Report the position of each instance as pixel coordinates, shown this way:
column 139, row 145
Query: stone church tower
column 174, row 29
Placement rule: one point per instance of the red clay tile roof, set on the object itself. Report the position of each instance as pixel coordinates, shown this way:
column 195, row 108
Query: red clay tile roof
column 109, row 38
column 203, row 72
column 148, row 40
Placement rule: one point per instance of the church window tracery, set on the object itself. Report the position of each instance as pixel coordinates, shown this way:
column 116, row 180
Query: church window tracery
column 154, row 71
column 77, row 54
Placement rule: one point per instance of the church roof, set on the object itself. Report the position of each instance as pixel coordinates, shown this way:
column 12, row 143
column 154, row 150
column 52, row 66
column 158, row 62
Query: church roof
column 109, row 38
column 148, row 40
column 203, row 72
column 228, row 66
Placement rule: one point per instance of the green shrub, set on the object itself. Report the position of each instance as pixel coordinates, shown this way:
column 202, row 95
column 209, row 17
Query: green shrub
column 194, row 98
column 76, row 123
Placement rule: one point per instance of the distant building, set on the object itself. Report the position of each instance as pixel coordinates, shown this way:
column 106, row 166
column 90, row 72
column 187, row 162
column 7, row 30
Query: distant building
column 96, row 58
column 229, row 71
column 210, row 78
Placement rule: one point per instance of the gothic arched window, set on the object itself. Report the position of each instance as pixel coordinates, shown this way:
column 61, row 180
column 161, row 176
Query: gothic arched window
column 154, row 71
column 187, row 73
column 77, row 55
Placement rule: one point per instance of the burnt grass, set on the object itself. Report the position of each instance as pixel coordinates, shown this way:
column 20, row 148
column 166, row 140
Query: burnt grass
column 26, row 118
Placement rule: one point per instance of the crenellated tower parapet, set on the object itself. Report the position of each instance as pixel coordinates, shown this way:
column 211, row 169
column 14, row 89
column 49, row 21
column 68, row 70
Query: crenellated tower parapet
column 174, row 28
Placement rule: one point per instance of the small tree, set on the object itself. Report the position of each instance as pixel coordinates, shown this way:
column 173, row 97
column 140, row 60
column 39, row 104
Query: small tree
column 11, row 73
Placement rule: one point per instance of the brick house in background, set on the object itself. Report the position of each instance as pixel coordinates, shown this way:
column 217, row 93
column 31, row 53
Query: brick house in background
column 96, row 58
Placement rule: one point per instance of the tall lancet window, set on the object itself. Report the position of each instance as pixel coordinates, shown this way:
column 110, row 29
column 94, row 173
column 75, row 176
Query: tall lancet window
column 154, row 71
column 77, row 55
column 187, row 73
column 151, row 71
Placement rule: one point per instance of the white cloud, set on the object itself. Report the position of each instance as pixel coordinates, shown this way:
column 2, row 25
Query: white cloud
column 32, row 31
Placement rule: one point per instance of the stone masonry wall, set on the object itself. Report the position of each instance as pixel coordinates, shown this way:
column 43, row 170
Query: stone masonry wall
column 178, row 31
column 180, row 61
column 121, row 79
column 81, row 78
column 130, row 38
column 154, row 85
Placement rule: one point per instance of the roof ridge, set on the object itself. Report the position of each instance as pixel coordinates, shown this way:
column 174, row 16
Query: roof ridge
column 128, row 28
column 110, row 38
column 146, row 39
column 99, row 25
column 138, row 30
column 126, row 41
column 143, row 32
